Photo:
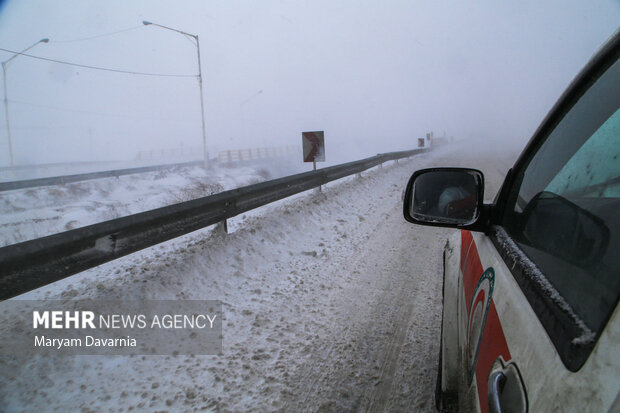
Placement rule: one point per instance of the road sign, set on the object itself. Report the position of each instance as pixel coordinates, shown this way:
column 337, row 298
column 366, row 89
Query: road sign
column 314, row 146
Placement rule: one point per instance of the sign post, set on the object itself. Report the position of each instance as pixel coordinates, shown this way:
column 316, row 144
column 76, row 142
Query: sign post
column 313, row 145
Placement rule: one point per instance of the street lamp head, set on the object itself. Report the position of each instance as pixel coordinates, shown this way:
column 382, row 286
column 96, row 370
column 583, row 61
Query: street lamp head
column 146, row 23
column 46, row 40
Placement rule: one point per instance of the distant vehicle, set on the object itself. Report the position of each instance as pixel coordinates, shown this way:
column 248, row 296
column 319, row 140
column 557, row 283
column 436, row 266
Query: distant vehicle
column 531, row 320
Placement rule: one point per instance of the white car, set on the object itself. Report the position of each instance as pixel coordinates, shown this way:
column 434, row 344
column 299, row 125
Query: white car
column 531, row 282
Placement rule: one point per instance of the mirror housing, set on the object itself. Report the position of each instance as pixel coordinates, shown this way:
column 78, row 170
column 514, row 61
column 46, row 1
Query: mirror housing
column 447, row 197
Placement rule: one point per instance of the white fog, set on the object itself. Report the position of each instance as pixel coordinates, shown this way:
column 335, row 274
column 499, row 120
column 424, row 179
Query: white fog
column 375, row 75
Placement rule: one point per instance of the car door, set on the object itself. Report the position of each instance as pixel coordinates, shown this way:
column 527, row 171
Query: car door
column 539, row 328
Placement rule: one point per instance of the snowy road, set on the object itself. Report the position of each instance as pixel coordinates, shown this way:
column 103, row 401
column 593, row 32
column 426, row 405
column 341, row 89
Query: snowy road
column 332, row 302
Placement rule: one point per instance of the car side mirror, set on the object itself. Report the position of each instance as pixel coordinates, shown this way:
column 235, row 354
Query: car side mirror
column 446, row 197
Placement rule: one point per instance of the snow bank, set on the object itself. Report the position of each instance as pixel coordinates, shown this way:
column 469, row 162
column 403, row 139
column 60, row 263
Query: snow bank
column 36, row 212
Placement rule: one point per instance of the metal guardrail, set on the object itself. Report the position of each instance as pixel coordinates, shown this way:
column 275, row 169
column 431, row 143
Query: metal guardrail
column 32, row 264
column 65, row 179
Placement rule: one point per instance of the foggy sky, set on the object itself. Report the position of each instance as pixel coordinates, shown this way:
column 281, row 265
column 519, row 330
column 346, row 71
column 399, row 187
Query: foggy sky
column 374, row 75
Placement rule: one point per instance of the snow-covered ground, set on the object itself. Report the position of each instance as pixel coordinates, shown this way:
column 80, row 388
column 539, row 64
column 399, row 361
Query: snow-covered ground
column 332, row 302
column 36, row 212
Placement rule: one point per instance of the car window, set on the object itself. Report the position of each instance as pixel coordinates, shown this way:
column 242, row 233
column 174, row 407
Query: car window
column 563, row 208
column 598, row 158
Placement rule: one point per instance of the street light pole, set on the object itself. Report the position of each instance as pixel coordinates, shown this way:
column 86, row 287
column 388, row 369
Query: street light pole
column 202, row 104
column 6, row 99
column 202, row 108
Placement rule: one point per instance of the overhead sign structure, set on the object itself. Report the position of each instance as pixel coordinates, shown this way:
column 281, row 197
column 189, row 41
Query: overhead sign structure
column 313, row 144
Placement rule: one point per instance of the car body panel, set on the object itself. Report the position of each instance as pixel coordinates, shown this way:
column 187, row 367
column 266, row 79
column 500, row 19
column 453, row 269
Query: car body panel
column 513, row 332
column 484, row 339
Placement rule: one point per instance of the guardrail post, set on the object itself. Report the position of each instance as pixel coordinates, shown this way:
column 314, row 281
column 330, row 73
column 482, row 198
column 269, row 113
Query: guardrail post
column 222, row 226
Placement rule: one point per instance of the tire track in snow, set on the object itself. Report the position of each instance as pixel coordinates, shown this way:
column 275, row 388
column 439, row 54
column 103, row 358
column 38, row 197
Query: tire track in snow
column 354, row 369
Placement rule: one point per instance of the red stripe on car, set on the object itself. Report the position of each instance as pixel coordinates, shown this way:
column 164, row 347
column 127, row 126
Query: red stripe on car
column 493, row 343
